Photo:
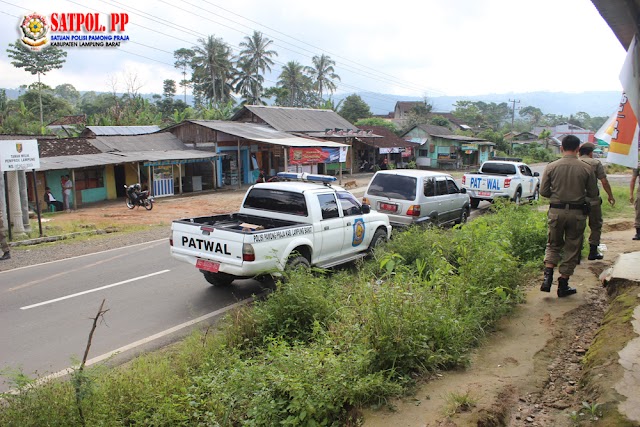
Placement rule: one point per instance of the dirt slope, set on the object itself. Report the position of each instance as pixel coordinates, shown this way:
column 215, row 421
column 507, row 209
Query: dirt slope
column 530, row 371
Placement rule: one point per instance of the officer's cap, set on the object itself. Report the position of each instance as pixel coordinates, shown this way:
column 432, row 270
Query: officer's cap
column 589, row 145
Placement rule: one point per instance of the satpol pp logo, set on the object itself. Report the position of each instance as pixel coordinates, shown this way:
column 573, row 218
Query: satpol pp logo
column 35, row 28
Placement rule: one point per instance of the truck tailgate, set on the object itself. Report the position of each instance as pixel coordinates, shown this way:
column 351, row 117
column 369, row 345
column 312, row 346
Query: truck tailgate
column 206, row 242
column 485, row 183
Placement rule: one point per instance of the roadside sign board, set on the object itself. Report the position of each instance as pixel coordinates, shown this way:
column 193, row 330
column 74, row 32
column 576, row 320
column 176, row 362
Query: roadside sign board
column 21, row 154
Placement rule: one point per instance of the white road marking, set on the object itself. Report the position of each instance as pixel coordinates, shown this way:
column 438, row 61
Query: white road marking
column 143, row 341
column 27, row 307
column 85, row 255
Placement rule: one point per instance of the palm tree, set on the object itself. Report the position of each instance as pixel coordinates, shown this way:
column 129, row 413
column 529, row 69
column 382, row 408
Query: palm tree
column 323, row 74
column 293, row 79
column 255, row 57
column 212, row 69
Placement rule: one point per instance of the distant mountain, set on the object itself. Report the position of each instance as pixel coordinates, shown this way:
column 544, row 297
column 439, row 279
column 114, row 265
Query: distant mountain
column 595, row 104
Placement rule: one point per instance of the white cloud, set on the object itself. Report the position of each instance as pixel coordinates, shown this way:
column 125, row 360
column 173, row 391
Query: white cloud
column 433, row 47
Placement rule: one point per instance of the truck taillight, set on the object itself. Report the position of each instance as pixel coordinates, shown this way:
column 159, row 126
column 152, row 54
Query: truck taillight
column 365, row 201
column 464, row 179
column 507, row 182
column 414, row 210
column 247, row 253
column 171, row 241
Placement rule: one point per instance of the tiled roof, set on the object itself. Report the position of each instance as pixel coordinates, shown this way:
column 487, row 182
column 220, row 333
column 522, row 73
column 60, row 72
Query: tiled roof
column 65, row 147
column 389, row 139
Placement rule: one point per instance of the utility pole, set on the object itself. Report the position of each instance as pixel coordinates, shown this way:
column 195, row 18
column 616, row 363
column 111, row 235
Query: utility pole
column 513, row 115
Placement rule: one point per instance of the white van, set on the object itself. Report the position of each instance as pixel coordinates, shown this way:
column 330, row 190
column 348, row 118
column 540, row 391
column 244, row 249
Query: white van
column 412, row 196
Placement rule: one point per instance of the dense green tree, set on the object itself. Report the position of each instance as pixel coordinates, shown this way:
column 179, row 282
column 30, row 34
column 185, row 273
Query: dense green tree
column 67, row 92
column 38, row 62
column 532, row 114
column 253, row 61
column 354, row 109
column 42, row 98
column 438, row 120
column 480, row 114
column 169, row 88
column 280, row 95
column 323, row 74
column 376, row 121
column 419, row 114
column 212, row 70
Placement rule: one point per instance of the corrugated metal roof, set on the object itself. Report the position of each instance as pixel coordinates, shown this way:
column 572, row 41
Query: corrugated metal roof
column 157, row 141
column 263, row 133
column 303, row 120
column 114, row 158
column 386, row 138
column 122, row 130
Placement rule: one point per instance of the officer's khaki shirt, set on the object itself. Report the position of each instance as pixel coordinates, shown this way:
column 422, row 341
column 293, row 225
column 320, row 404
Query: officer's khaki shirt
column 568, row 180
column 597, row 168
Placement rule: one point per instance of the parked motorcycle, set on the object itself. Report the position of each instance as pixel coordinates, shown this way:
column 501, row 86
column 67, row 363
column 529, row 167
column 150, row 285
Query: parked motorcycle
column 137, row 197
column 366, row 167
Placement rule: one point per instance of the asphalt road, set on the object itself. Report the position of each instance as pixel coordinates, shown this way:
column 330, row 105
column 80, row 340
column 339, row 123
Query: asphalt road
column 46, row 310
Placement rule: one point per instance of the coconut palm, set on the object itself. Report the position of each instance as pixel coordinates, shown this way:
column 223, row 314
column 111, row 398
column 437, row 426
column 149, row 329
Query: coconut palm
column 323, row 74
column 212, row 69
column 254, row 58
column 293, row 79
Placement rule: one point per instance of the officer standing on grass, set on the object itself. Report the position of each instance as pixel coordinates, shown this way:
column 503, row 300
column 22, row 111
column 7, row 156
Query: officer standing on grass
column 567, row 182
column 636, row 202
column 595, row 214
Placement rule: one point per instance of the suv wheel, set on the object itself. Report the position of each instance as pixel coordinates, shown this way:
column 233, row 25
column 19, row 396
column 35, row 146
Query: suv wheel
column 464, row 216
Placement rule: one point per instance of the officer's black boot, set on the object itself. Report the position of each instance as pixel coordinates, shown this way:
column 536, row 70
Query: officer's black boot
column 563, row 288
column 548, row 280
column 637, row 236
column 593, row 253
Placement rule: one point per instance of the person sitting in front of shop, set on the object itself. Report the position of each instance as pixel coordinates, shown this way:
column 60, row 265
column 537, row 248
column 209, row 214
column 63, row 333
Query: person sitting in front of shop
column 51, row 201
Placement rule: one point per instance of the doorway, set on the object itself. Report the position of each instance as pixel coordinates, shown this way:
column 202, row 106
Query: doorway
column 120, row 179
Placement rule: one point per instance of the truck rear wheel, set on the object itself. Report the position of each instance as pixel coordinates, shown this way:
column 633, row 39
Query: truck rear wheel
column 217, row 279
column 517, row 199
column 297, row 261
column 475, row 202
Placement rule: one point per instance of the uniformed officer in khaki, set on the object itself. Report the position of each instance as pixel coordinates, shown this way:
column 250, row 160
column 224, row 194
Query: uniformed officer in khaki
column 595, row 215
column 567, row 183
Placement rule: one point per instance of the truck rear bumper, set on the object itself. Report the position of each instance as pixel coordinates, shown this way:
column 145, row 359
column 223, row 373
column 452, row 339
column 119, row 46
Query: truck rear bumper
column 476, row 195
column 246, row 269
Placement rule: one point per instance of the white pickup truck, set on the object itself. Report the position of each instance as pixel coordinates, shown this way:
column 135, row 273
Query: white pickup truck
column 502, row 178
column 280, row 225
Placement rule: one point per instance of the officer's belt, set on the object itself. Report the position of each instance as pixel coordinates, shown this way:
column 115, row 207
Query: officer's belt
column 566, row 205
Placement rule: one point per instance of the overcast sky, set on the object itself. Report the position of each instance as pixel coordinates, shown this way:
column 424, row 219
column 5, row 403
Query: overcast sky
column 415, row 48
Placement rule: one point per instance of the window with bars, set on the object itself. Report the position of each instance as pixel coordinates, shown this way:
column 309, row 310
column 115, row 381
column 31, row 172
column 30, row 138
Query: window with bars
column 89, row 178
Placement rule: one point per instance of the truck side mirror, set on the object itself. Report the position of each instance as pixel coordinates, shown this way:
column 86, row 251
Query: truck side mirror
column 366, row 209
column 463, row 190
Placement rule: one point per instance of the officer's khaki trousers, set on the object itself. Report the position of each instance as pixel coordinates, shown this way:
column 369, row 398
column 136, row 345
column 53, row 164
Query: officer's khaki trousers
column 564, row 238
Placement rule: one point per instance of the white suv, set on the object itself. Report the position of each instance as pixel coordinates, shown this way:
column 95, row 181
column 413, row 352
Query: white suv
column 412, row 196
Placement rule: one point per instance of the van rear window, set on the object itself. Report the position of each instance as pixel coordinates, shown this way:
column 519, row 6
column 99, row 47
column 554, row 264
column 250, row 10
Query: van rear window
column 499, row 169
column 393, row 186
column 284, row 202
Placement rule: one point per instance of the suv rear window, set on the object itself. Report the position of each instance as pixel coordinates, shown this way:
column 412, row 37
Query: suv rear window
column 499, row 169
column 276, row 201
column 393, row 186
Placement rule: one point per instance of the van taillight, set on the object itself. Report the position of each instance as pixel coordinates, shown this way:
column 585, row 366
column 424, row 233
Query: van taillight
column 414, row 210
column 247, row 253
column 507, row 182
